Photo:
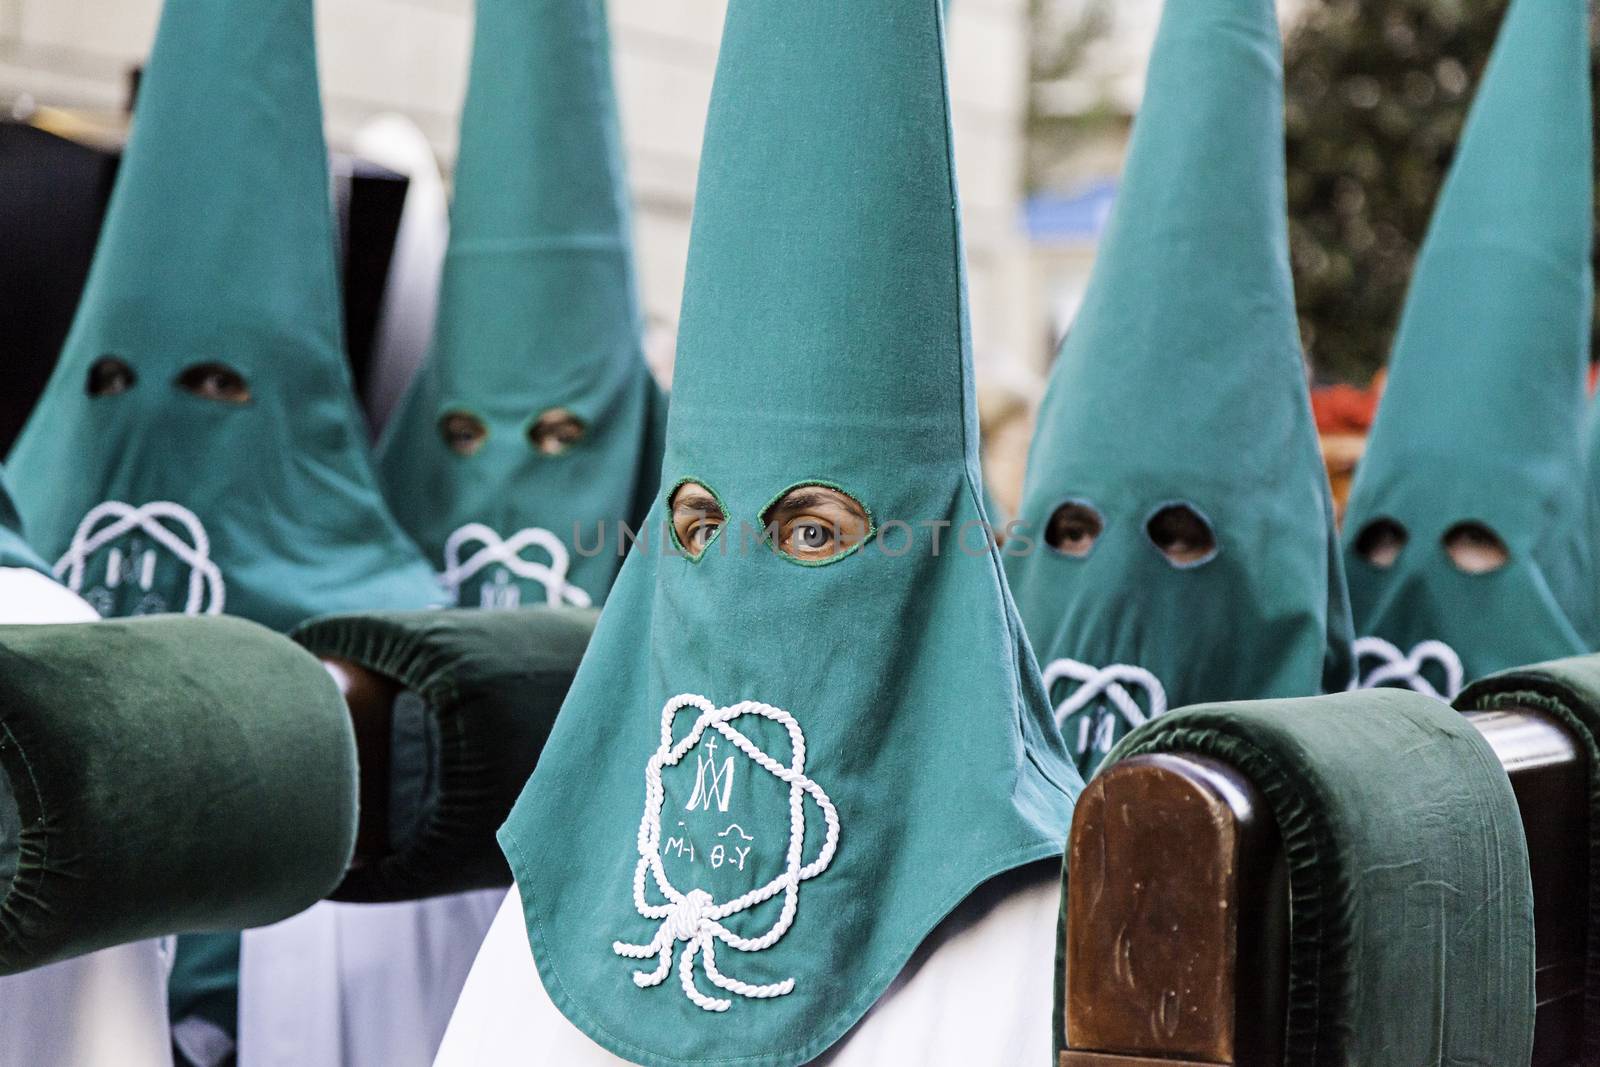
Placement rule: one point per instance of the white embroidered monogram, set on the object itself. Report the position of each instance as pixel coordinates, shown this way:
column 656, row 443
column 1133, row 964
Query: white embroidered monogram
column 1112, row 682
column 695, row 917
column 205, row 590
column 507, row 553
column 1397, row 666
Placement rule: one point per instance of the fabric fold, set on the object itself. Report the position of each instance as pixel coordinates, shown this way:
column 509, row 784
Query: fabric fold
column 1568, row 690
column 109, row 734
column 488, row 686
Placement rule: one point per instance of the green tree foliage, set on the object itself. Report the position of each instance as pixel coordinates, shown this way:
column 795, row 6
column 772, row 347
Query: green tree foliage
column 1377, row 94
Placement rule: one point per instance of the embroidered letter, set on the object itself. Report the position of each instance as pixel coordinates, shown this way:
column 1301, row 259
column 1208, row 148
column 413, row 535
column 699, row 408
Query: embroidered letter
column 721, row 781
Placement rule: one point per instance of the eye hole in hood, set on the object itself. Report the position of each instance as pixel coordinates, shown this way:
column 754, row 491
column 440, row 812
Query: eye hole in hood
column 555, row 431
column 1381, row 541
column 110, row 376
column 1073, row 529
column 816, row 523
column 1182, row 535
column 463, row 432
column 1474, row 548
column 697, row 517
column 215, row 381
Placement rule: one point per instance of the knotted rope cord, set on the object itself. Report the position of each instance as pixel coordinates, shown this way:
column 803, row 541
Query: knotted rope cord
column 204, row 575
column 1397, row 666
column 695, row 917
column 508, row 553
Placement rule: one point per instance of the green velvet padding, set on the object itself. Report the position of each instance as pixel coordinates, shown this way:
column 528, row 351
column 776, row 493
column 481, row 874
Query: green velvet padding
column 1411, row 907
column 170, row 774
column 1569, row 691
column 10, row 834
column 492, row 683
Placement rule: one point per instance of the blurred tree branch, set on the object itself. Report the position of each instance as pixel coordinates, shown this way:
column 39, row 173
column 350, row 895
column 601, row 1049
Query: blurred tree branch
column 1377, row 95
column 1062, row 33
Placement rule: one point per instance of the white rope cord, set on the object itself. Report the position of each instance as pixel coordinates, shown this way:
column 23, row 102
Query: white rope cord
column 1112, row 682
column 507, row 552
column 695, row 917
column 1397, row 666
column 206, row 590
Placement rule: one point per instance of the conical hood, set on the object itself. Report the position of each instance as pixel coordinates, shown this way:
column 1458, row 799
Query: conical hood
column 1177, row 416
column 787, row 758
column 198, row 447
column 14, row 551
column 1481, row 421
column 539, row 316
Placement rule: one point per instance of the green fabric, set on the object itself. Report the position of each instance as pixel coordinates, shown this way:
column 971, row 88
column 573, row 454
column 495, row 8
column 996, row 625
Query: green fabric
column 539, row 310
column 1410, row 904
column 218, row 247
column 14, row 551
column 1569, row 690
column 490, row 684
column 10, row 833
column 823, row 339
column 170, row 774
column 1482, row 416
column 1181, row 381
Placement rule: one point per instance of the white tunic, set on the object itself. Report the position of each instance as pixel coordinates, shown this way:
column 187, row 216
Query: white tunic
column 107, row 1009
column 358, row 985
column 977, row 993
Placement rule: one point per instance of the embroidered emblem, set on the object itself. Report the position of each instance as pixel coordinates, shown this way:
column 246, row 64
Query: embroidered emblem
column 506, row 553
column 134, row 539
column 695, row 917
column 1113, row 683
column 1397, row 666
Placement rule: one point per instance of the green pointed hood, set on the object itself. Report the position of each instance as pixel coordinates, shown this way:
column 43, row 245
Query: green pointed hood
column 772, row 779
column 1481, row 421
column 218, row 249
column 539, row 311
column 14, row 551
column 1181, row 384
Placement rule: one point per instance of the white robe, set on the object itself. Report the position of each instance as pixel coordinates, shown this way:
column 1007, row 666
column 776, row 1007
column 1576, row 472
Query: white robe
column 358, row 985
column 106, row 1009
column 978, row 993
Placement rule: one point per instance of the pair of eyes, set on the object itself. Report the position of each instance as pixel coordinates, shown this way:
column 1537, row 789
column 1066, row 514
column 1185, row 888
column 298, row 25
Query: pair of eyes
column 809, row 523
column 111, row 376
column 1472, row 547
column 551, row 434
column 1179, row 532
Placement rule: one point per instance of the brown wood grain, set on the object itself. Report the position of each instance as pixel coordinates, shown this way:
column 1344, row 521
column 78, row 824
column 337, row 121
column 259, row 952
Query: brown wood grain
column 1102, row 1059
column 1167, row 853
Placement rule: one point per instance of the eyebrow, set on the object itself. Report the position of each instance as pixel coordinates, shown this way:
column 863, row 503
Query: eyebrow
column 817, row 497
column 804, row 498
column 696, row 499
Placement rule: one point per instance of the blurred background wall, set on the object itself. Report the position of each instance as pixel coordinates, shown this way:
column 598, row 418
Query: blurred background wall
column 411, row 56
column 1045, row 92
